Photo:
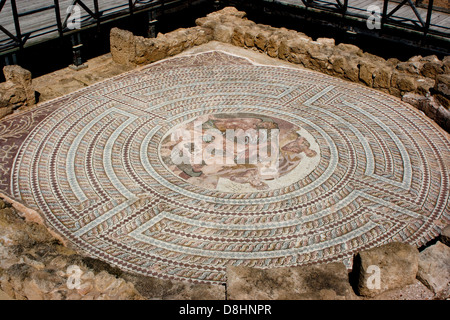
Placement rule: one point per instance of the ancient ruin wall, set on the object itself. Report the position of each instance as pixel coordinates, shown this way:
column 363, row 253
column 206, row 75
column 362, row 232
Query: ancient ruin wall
column 421, row 81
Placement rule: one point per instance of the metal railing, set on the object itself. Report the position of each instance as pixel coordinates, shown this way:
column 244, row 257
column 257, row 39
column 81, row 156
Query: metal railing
column 91, row 15
column 421, row 23
column 14, row 37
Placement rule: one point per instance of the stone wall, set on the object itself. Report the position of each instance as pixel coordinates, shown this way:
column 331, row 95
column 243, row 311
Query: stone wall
column 128, row 49
column 421, row 76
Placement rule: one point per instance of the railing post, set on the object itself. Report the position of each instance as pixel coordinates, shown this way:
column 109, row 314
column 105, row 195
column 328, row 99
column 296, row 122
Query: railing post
column 16, row 22
column 10, row 59
column 152, row 22
column 428, row 21
column 384, row 15
column 131, row 6
column 97, row 14
column 217, row 5
column 76, row 50
column 58, row 18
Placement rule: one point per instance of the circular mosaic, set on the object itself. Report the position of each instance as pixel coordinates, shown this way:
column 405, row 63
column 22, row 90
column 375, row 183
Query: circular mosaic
column 140, row 171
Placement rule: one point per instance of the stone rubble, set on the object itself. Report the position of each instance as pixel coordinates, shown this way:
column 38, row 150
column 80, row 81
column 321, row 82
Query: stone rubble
column 35, row 266
column 431, row 107
column 17, row 90
column 434, row 269
column 313, row 282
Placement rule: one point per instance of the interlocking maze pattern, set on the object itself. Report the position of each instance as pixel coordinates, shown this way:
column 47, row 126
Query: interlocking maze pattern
column 94, row 170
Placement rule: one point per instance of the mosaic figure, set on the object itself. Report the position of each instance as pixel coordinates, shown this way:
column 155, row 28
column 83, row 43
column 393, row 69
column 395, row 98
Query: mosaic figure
column 252, row 142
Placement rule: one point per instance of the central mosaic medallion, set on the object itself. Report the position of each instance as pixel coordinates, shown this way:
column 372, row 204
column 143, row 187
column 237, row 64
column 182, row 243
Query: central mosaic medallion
column 240, row 152
column 187, row 166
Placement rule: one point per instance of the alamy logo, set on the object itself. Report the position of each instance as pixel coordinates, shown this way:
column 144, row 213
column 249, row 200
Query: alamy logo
column 374, row 280
column 74, row 279
column 374, row 20
column 74, row 17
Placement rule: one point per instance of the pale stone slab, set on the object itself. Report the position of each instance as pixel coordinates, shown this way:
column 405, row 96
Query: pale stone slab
column 316, row 282
column 161, row 289
column 434, row 269
column 394, row 264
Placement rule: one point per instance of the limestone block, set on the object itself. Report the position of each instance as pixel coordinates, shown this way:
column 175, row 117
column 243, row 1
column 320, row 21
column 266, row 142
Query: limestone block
column 415, row 58
column 349, row 49
column 250, row 37
column 382, row 76
column 284, row 50
column 17, row 75
column 186, row 38
column 122, row 45
column 157, row 49
column 423, row 85
column 366, row 72
column 141, row 49
column 297, row 58
column 434, row 269
column 23, row 78
column 11, row 96
column 154, row 288
column 411, row 67
column 31, row 291
column 403, row 82
column 201, row 22
column 202, row 36
column 327, row 281
column 4, row 296
column 326, row 41
column 176, row 42
column 397, row 264
column 299, row 45
column 337, row 62
column 351, row 68
column 228, row 11
column 273, row 45
column 442, row 89
column 262, row 39
column 374, row 59
column 432, row 69
column 446, row 64
column 238, row 37
column 393, row 62
column 223, row 33
column 431, row 58
column 431, row 107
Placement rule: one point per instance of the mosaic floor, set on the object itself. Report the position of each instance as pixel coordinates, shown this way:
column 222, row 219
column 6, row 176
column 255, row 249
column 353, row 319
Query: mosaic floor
column 355, row 168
